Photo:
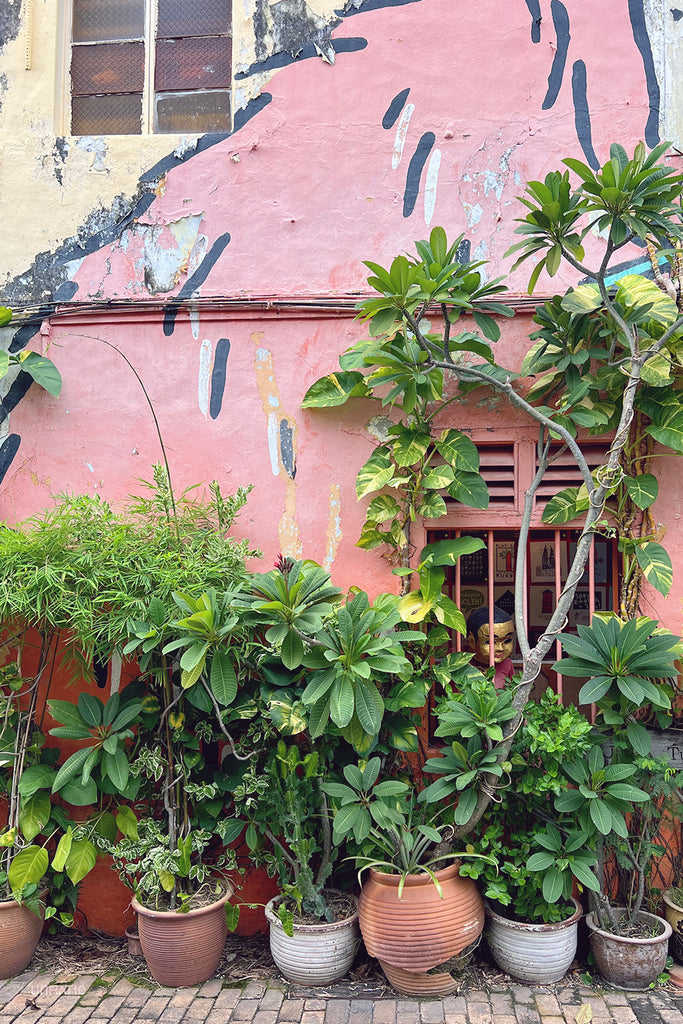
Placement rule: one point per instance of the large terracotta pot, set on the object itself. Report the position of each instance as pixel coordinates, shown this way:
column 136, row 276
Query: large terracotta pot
column 317, row 954
column 537, row 954
column 183, row 949
column 20, row 931
column 673, row 912
column 628, row 963
column 420, row 931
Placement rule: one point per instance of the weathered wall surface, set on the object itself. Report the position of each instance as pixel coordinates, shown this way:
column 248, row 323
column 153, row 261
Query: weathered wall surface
column 358, row 126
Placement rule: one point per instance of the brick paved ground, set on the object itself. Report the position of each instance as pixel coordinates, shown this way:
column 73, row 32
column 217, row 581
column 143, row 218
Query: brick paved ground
column 34, row 997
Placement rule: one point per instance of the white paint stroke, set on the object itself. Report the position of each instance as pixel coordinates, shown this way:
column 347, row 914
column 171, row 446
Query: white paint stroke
column 401, row 133
column 431, row 181
column 274, row 443
column 204, row 380
column 115, row 678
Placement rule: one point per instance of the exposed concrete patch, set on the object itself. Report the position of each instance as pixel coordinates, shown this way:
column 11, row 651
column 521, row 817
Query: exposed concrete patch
column 98, row 148
column 289, row 25
column 10, row 21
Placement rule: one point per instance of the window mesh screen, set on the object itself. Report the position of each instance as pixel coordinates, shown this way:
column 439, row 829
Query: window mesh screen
column 194, row 18
column 106, row 115
column 95, row 21
column 109, row 68
column 193, row 112
column 183, row 64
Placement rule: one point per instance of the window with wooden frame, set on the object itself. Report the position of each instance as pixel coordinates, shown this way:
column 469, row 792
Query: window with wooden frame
column 487, row 577
column 150, row 66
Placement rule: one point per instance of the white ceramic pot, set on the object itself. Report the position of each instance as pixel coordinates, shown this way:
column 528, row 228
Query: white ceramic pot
column 537, row 954
column 317, row 954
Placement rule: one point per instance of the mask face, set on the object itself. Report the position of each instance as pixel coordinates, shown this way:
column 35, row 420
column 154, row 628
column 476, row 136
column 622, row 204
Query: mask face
column 503, row 643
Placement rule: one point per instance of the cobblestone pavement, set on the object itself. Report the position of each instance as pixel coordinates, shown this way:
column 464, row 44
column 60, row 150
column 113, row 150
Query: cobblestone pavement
column 79, row 998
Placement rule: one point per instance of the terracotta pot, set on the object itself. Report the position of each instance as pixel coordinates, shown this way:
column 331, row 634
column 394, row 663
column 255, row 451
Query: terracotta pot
column 537, row 954
column 317, row 954
column 673, row 912
column 20, row 931
column 421, row 930
column 626, row 963
column 133, row 941
column 183, row 949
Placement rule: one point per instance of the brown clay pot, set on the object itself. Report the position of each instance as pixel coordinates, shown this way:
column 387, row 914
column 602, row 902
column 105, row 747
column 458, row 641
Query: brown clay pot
column 183, row 949
column 628, row 963
column 20, row 931
column 421, row 930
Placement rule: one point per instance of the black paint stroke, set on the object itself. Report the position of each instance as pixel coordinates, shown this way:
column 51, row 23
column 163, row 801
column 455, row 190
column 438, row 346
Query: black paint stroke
column 676, row 13
column 637, row 15
column 194, row 281
column 463, row 253
column 415, row 168
column 218, row 377
column 394, row 109
column 582, row 117
column 287, row 449
column 17, row 390
column 373, row 5
column 8, row 449
column 562, row 34
column 283, row 59
column 535, row 12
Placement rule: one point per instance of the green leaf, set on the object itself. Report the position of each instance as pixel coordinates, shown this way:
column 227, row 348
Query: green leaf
column 34, row 815
column 471, row 490
column 292, row 650
column 642, row 489
column 467, row 802
column 44, row 372
column 582, row 299
column 81, row 860
column 369, row 706
column 72, row 767
column 335, row 389
column 222, row 679
column 27, row 867
column 553, row 885
column 115, row 767
column 459, row 451
column 656, row 565
column 79, row 795
column 565, row 506
column 342, row 702
column 374, row 475
column 126, row 822
column 90, row 709
column 5, row 316
column 38, row 776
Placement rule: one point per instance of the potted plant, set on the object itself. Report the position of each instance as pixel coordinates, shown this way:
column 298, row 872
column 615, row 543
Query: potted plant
column 532, row 916
column 313, row 927
column 673, row 911
column 414, row 916
column 622, row 802
column 336, row 676
column 44, row 855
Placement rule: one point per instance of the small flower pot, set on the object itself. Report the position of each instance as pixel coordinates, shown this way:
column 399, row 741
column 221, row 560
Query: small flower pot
column 317, row 954
column 534, row 953
column 673, row 912
column 20, row 931
column 632, row 964
column 418, row 932
column 183, row 949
